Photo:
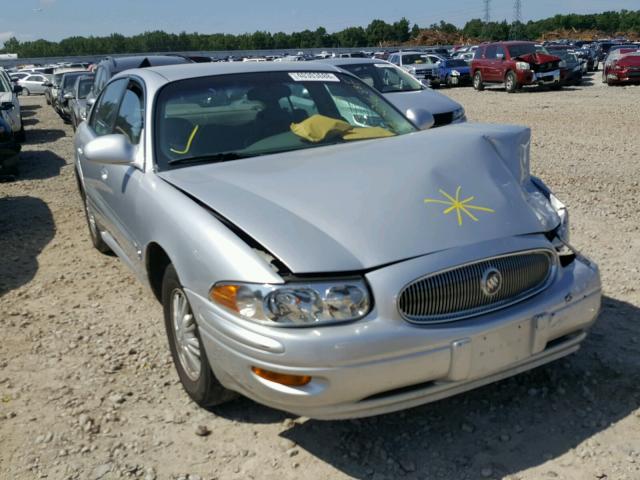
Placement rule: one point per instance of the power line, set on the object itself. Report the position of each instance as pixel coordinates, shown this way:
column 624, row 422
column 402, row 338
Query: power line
column 487, row 18
column 516, row 27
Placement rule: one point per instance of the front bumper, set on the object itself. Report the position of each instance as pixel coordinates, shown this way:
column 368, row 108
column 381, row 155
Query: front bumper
column 382, row 363
column 624, row 76
column 546, row 78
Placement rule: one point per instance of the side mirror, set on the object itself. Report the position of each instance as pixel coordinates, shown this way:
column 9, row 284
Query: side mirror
column 112, row 149
column 90, row 102
column 500, row 56
column 6, row 106
column 17, row 89
column 69, row 96
column 423, row 119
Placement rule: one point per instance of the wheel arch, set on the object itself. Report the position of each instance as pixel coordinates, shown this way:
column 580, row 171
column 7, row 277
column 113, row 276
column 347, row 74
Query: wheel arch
column 156, row 262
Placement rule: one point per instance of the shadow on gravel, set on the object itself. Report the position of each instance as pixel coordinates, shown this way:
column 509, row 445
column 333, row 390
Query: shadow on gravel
column 26, row 108
column 43, row 135
column 27, row 122
column 506, row 427
column 39, row 164
column 26, row 227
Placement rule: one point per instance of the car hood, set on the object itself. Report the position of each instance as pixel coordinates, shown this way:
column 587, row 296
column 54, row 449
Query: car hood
column 629, row 61
column 538, row 58
column 427, row 99
column 357, row 206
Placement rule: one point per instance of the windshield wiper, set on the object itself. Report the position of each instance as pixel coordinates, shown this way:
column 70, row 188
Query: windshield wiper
column 214, row 158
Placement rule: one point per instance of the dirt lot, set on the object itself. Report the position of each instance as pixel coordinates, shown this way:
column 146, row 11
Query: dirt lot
column 88, row 391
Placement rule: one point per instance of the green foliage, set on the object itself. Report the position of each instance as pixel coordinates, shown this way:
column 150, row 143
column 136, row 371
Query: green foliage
column 378, row 32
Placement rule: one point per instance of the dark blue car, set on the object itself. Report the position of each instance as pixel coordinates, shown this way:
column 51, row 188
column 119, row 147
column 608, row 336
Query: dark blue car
column 452, row 73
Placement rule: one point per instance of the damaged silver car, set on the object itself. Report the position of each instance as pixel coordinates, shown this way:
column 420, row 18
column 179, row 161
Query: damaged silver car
column 316, row 251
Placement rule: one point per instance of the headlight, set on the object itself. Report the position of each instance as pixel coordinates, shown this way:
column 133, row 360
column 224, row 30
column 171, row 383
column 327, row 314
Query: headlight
column 523, row 66
column 561, row 209
column 296, row 303
column 455, row 73
column 562, row 64
column 562, row 231
column 458, row 114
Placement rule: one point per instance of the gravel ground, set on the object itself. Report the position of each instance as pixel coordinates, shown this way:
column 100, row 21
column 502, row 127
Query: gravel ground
column 88, row 391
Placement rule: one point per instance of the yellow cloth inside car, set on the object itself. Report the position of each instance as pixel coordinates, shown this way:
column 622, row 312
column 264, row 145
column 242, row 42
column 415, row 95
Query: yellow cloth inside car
column 319, row 127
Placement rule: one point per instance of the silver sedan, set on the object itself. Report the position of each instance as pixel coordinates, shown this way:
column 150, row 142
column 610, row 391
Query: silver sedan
column 316, row 251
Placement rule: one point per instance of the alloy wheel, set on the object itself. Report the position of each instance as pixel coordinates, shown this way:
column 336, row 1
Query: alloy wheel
column 187, row 342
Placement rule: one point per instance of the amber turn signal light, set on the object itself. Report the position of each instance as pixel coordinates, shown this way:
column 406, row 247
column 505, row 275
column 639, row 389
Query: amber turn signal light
column 282, row 378
column 225, row 295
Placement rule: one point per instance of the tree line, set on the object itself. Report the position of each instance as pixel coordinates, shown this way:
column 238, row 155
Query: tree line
column 377, row 33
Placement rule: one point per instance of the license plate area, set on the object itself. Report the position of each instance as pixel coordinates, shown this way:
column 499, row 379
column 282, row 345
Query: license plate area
column 501, row 348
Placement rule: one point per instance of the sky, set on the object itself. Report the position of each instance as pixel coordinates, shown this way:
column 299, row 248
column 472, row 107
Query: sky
column 57, row 19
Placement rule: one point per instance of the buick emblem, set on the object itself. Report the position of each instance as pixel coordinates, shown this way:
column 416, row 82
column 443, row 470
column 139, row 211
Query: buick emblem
column 491, row 282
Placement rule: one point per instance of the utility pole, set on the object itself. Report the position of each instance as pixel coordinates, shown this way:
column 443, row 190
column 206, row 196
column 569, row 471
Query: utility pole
column 515, row 32
column 487, row 17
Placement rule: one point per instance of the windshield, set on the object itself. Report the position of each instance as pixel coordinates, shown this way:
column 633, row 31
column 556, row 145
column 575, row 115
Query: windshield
column 563, row 54
column 521, row 49
column 412, row 58
column 84, row 86
column 56, row 78
column 455, row 63
column 384, row 77
column 227, row 117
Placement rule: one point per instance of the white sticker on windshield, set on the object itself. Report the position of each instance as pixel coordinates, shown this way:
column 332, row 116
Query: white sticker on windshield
column 313, row 77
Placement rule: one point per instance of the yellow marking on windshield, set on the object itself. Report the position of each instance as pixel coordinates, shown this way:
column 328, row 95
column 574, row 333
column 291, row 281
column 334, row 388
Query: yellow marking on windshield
column 189, row 141
column 459, row 206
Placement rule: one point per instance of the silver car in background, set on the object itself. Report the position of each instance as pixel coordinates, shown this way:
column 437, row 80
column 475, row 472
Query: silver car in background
column 315, row 251
column 416, row 63
column 405, row 92
column 34, row 84
column 77, row 99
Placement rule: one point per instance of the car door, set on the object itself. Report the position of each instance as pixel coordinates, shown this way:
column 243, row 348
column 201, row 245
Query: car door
column 489, row 73
column 95, row 175
column 500, row 63
column 36, row 84
column 123, row 183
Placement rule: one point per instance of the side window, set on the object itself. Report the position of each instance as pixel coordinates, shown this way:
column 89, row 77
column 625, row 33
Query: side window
column 99, row 82
column 394, row 59
column 500, row 52
column 131, row 114
column 106, row 108
column 478, row 54
column 491, row 52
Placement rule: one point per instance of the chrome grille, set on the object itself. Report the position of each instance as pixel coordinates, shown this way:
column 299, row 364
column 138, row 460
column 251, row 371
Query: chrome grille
column 458, row 293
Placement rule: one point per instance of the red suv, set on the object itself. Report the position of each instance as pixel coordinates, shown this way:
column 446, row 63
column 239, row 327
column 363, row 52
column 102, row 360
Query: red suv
column 515, row 64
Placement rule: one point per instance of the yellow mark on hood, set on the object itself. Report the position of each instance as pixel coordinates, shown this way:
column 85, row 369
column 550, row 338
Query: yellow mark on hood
column 458, row 206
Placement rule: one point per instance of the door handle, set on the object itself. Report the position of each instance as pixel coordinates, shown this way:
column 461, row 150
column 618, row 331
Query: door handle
column 104, row 174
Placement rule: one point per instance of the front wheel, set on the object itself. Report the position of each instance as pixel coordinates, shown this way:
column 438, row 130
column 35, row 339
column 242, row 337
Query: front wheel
column 26, row 92
column 477, row 81
column 185, row 343
column 511, row 82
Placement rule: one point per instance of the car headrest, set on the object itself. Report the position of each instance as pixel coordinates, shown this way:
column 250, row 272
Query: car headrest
column 269, row 93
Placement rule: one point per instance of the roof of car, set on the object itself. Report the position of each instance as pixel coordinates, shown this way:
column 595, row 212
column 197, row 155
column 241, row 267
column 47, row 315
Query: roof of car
column 173, row 73
column 119, row 64
column 351, row 61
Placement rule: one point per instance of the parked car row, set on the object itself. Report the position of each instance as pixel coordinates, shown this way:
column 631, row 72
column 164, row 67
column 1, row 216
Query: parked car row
column 12, row 132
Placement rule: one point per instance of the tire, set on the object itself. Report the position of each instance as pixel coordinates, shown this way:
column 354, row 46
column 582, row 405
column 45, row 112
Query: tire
column 478, row 84
column 46, row 97
column 448, row 82
column 94, row 227
column 556, row 86
column 191, row 363
column 511, row 82
column 26, row 92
